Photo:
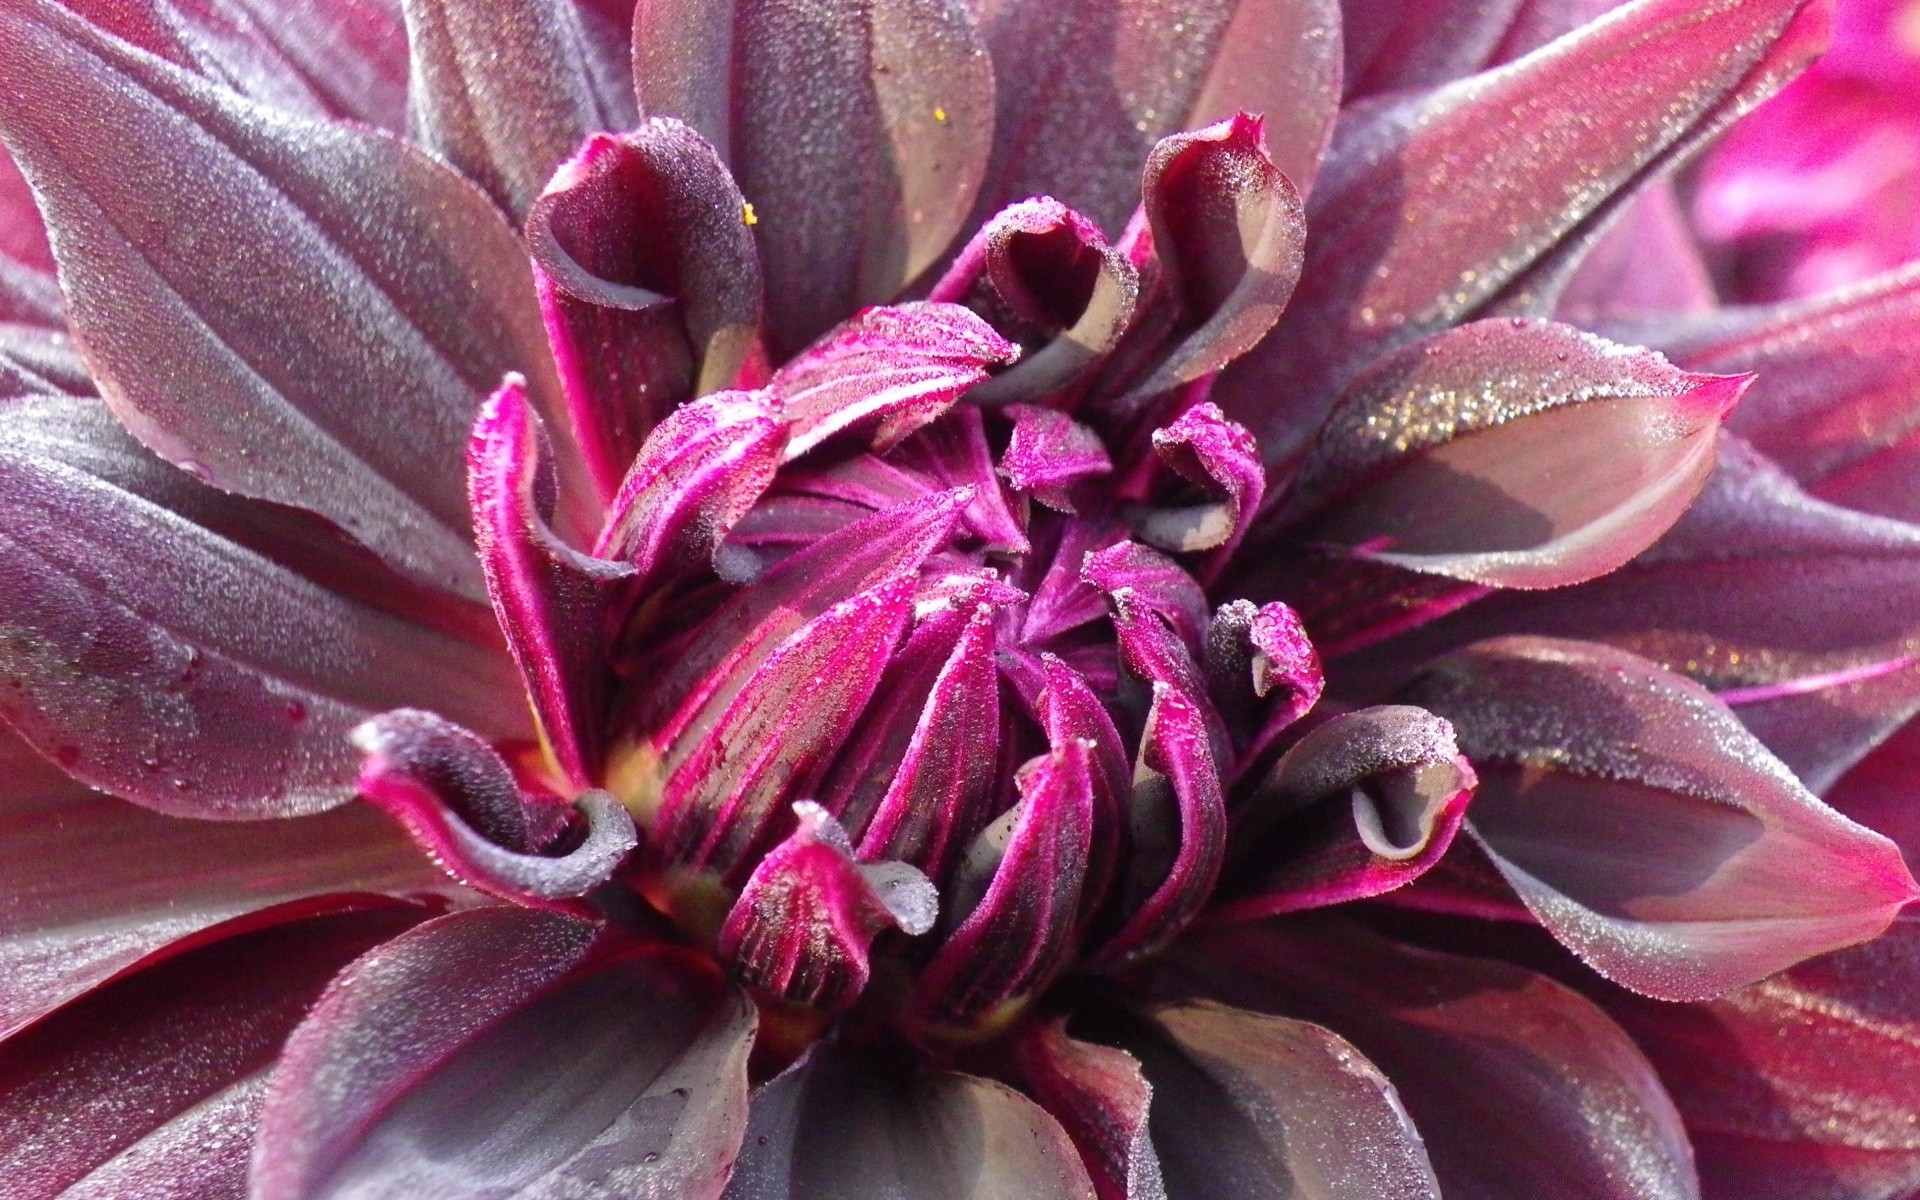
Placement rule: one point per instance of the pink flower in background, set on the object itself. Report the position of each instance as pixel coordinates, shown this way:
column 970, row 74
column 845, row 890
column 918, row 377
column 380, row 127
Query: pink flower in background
column 908, row 600
column 1821, row 188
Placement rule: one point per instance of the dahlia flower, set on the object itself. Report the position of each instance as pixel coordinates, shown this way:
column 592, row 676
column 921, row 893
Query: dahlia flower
column 916, row 599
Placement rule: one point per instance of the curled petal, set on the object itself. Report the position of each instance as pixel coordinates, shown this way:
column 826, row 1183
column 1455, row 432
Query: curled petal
column 1645, row 827
column 858, row 132
column 1252, row 654
column 1365, row 803
column 1156, row 584
column 802, row 926
column 839, row 1124
column 1218, row 457
column 283, row 384
column 1102, row 1099
column 1510, row 454
column 1048, row 453
column 514, row 1051
column 455, row 796
column 648, row 282
column 885, row 373
column 554, row 603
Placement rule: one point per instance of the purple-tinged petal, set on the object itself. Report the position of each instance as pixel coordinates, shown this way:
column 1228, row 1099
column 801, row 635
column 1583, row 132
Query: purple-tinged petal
column 1218, row 457
column 165, row 661
column 1227, row 234
column 842, row 1125
column 1101, row 1098
column 1441, row 204
column 804, row 922
column 698, row 473
column 1247, row 1106
column 1049, row 453
column 1071, row 711
column 1510, row 453
column 155, row 1080
column 693, row 681
column 1177, row 825
column 942, row 787
column 28, row 295
column 503, row 90
column 26, row 260
column 724, row 784
column 555, row 604
column 1253, row 653
column 1399, row 45
column 858, row 132
column 1363, row 804
column 953, row 452
column 649, row 283
column 43, row 362
column 1471, row 1046
column 512, row 1053
column 885, row 373
column 1046, row 276
column 1645, row 827
column 1064, row 599
column 95, row 885
column 456, row 798
column 266, row 300
column 1156, row 584
column 1647, row 263
column 1878, row 790
column 1016, row 898
column 1085, row 91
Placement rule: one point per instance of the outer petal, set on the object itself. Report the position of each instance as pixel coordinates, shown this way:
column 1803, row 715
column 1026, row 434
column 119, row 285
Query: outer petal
column 1520, row 1087
column 1646, row 828
column 1102, row 1099
column 237, row 281
column 836, row 1124
column 156, row 659
column 152, row 1086
column 858, row 132
column 499, row 1050
column 1085, row 90
column 1439, row 202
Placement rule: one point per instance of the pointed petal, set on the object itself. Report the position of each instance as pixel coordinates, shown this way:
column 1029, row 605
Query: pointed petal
column 1048, row 453
column 1473, row 1045
column 953, row 452
column 285, row 384
column 1510, row 454
column 156, row 659
column 648, row 280
column 511, row 1051
column 886, row 373
column 155, row 1080
column 1155, row 583
column 503, row 91
column 1248, row 1105
column 837, row 1124
column 1365, row 803
column 1645, row 828
column 1101, row 1098
column 1085, row 91
column 858, row 132
column 555, row 604
column 803, row 924
column 1441, row 200
column 455, row 797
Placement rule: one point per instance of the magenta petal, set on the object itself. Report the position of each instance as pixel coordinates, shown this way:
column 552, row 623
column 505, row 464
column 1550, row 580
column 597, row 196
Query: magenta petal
column 725, row 783
column 152, row 1086
column 262, row 381
column 1071, row 711
column 1648, row 263
column 649, row 283
column 555, row 604
column 1248, row 1106
column 504, row 91
column 1511, row 454
column 698, row 473
column 1218, row 457
column 1046, row 276
column 1085, row 92
column 1100, row 1097
column 858, row 131
column 1023, row 879
column 1668, row 849
column 1363, row 804
column 802, row 926
column 156, row 659
column 886, row 373
column 1263, row 673
column 1049, row 453
column 511, row 1051
column 1472, row 1045
column 953, row 452
column 455, row 797
column 840, row 1125
column 1155, row 584
column 1437, row 204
